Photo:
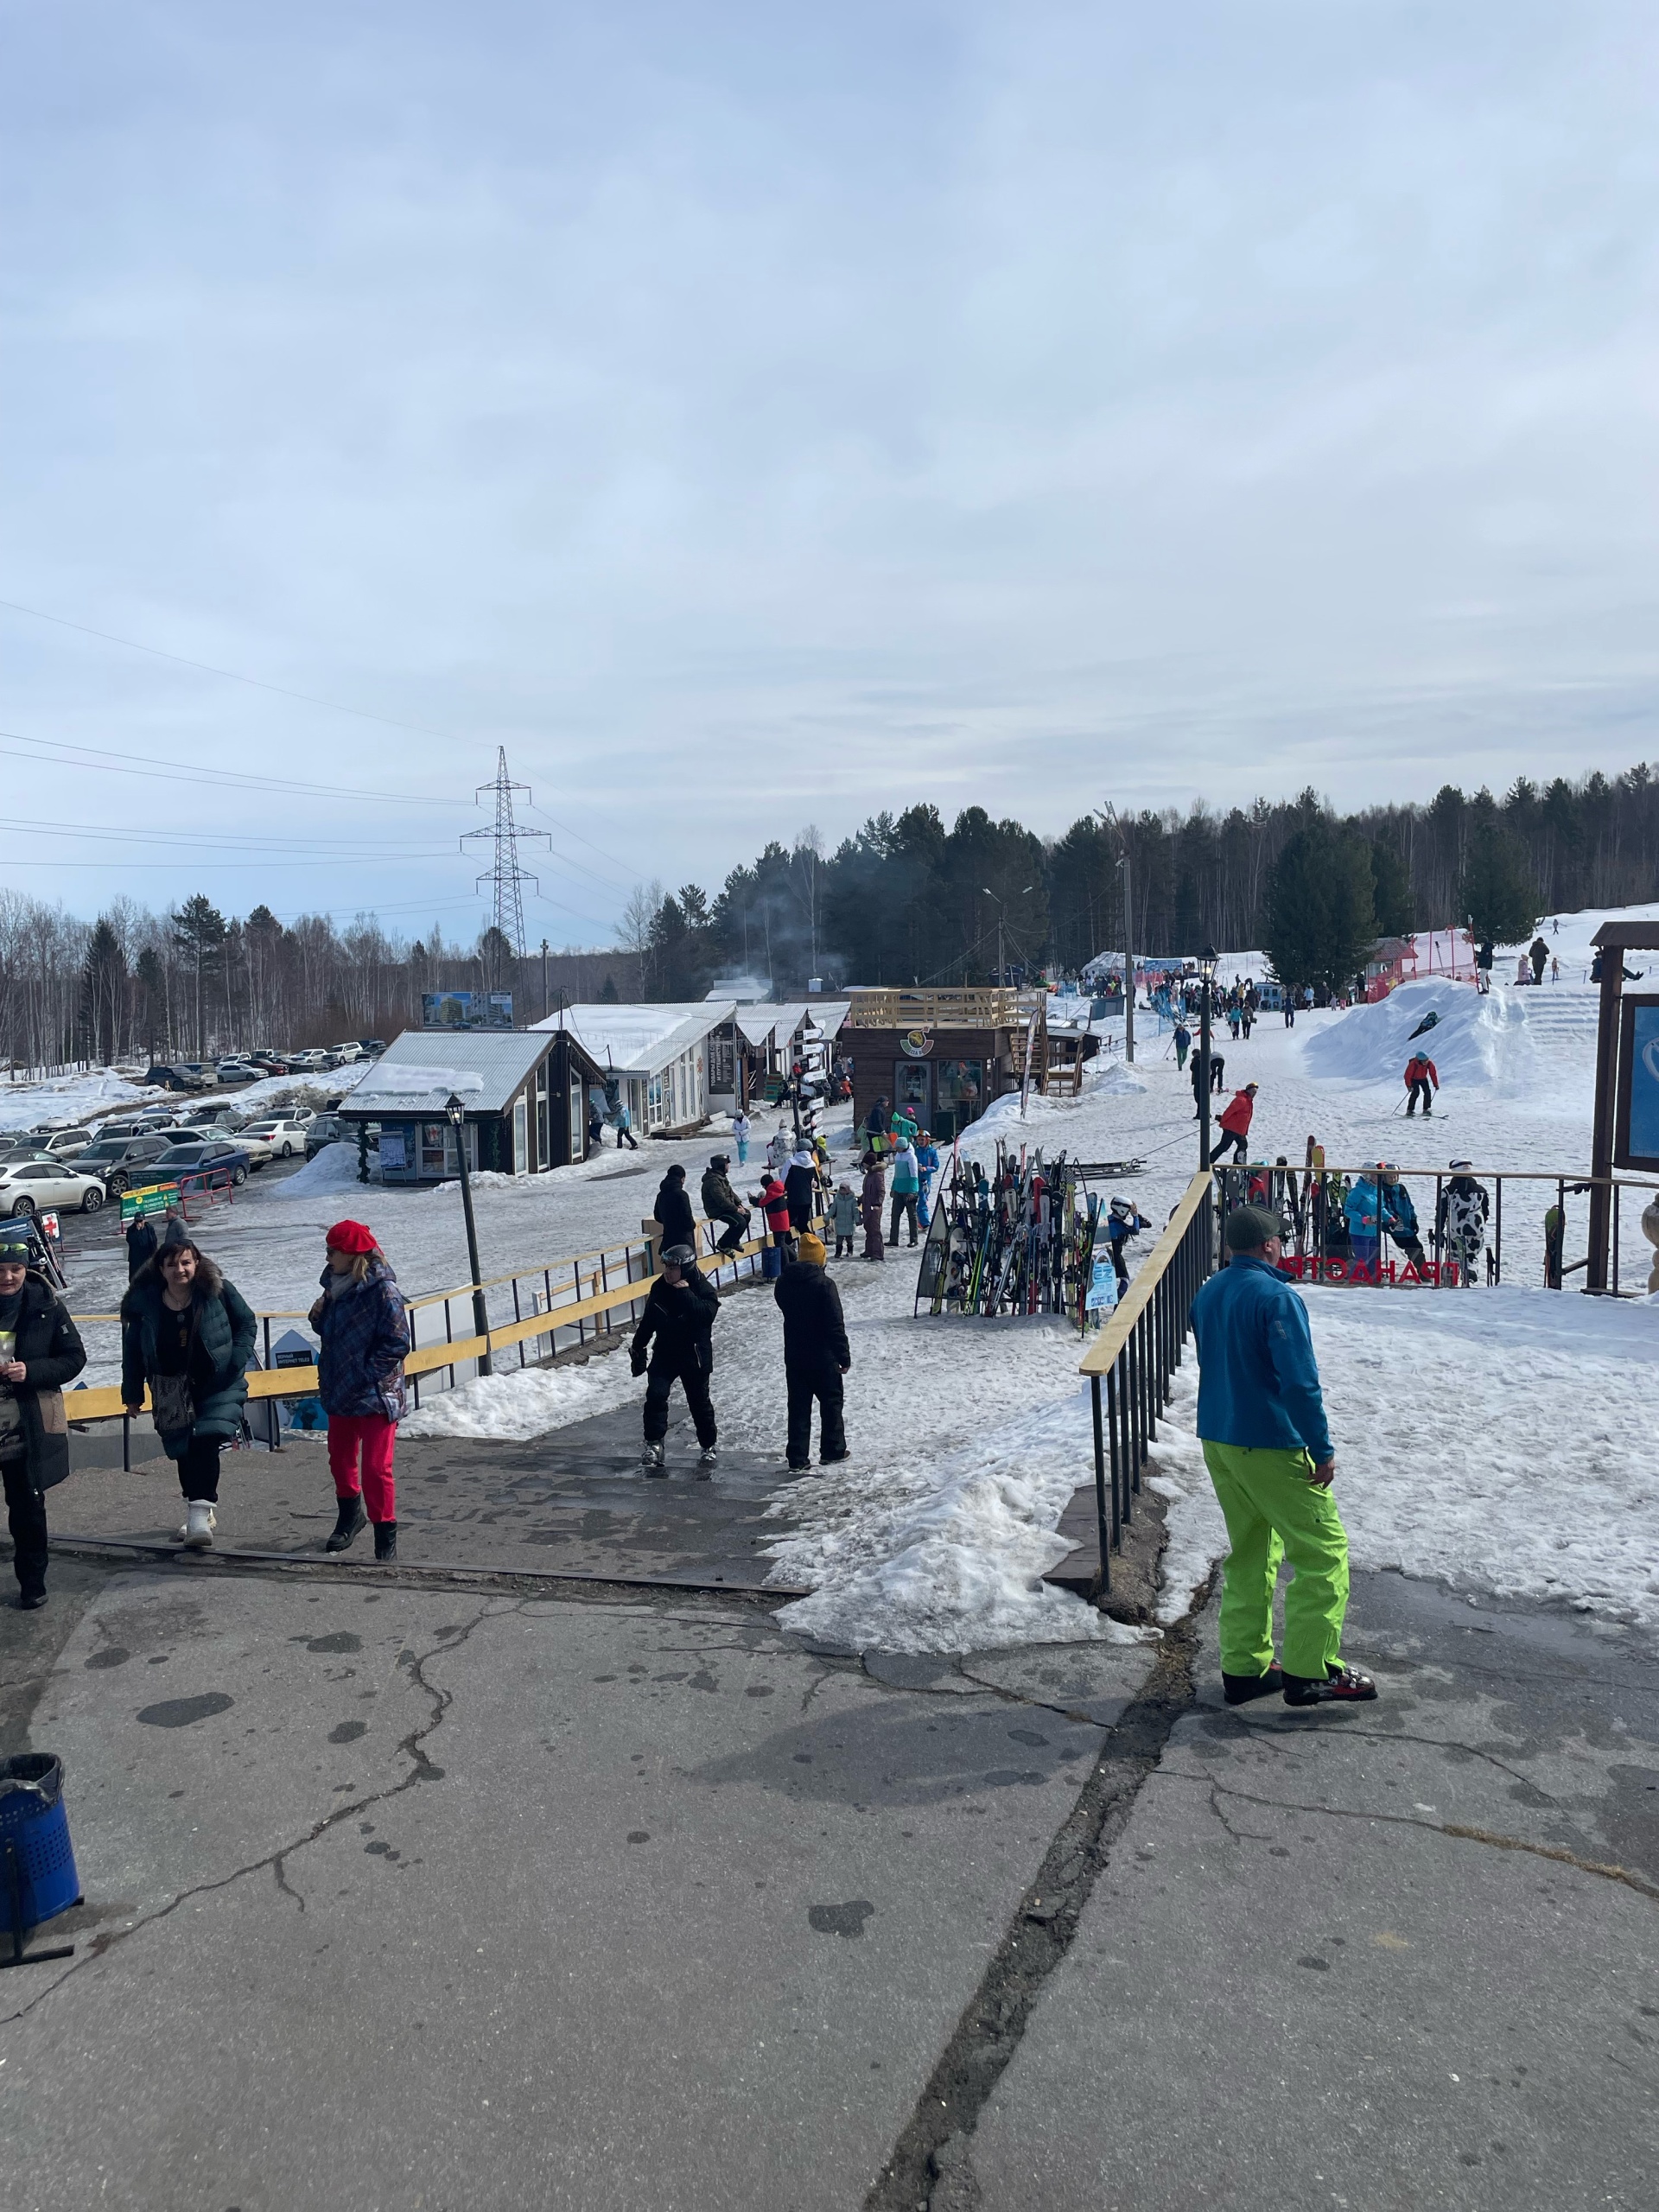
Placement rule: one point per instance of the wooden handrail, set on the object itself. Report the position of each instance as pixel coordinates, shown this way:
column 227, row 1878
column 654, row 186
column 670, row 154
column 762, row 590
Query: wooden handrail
column 1102, row 1355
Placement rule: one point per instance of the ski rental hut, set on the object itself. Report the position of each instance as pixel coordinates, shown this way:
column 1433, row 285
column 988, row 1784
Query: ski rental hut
column 523, row 1095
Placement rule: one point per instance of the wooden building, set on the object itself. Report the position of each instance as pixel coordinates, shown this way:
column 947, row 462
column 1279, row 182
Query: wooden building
column 657, row 1059
column 945, row 1055
column 523, row 1093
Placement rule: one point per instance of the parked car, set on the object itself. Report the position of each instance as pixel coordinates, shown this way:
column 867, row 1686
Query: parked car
column 113, row 1158
column 191, row 1165
column 174, row 1075
column 373, row 1046
column 26, row 1186
column 219, row 1113
column 284, row 1132
column 207, row 1074
column 322, row 1129
column 346, row 1053
column 60, row 1143
column 271, row 1063
column 260, row 1150
column 239, row 1072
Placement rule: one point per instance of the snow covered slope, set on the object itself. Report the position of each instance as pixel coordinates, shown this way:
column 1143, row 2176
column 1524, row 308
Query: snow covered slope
column 1476, row 1040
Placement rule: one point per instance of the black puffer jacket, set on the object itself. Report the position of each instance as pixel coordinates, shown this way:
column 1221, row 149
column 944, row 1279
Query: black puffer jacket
column 815, row 1331
column 49, row 1344
column 673, row 1210
column 720, row 1200
column 676, row 1325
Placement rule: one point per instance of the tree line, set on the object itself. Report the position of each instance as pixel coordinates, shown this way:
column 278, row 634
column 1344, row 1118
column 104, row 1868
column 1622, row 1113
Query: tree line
column 904, row 901
column 908, row 900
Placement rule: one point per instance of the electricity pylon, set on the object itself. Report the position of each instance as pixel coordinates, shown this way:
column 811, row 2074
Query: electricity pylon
column 506, row 875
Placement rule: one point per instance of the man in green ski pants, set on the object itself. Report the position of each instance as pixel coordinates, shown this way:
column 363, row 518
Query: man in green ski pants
column 1268, row 1450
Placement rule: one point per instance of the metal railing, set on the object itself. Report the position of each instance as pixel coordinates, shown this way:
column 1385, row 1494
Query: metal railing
column 1321, row 1246
column 1140, row 1345
column 558, row 1308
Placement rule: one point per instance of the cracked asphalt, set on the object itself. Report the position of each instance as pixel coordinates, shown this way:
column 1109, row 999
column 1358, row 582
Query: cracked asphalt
column 406, row 1896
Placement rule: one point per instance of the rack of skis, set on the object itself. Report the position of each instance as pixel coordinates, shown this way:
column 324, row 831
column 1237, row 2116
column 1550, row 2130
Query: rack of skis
column 1025, row 1237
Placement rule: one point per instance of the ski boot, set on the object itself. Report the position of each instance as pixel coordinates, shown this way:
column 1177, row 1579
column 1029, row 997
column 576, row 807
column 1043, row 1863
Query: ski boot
column 1342, row 1686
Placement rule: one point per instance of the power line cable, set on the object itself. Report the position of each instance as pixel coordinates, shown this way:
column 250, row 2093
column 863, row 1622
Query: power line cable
column 111, row 763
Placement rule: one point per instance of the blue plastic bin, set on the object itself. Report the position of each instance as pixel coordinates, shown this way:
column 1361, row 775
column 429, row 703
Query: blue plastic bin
column 771, row 1262
column 35, row 1826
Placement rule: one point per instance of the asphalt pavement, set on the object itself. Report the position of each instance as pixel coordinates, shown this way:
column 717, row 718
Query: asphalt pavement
column 406, row 1896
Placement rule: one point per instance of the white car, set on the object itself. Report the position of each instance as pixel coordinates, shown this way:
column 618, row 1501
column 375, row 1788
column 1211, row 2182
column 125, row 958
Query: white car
column 32, row 1184
column 258, row 1148
column 283, row 1132
column 347, row 1052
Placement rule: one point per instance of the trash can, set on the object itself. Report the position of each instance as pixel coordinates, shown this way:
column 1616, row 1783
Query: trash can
column 37, row 1862
column 771, row 1262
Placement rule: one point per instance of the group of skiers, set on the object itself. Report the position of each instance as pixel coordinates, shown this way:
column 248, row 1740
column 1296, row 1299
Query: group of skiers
column 1324, row 1212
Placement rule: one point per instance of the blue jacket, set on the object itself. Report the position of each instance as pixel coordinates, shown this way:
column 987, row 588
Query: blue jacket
column 927, row 1159
column 1361, row 1208
column 1258, row 1381
column 1398, row 1211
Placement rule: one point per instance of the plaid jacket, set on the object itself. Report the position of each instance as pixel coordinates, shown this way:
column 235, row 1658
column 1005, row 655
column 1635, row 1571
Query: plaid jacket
column 364, row 1337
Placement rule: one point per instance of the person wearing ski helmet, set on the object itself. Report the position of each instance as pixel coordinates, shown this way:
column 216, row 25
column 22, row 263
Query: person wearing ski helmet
column 1422, row 1081
column 1363, row 1208
column 1464, row 1208
column 1267, row 1444
column 1399, row 1215
column 1122, row 1221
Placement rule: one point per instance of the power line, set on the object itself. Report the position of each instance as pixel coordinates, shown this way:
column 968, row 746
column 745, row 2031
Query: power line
column 231, row 675
column 109, row 763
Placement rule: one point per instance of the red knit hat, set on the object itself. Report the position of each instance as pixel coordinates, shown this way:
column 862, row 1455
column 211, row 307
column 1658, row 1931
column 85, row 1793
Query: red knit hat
column 350, row 1237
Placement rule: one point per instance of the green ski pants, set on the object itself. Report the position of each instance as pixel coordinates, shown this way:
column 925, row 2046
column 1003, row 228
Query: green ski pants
column 1274, row 1511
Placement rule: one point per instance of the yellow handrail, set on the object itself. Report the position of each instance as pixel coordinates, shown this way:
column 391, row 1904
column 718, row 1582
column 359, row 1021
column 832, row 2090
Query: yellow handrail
column 1102, row 1355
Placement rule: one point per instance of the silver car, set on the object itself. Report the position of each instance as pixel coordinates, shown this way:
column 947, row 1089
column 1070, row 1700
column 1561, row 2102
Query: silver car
column 34, row 1184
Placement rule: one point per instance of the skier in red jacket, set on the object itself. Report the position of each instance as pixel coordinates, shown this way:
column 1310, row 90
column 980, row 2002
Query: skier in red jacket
column 1236, row 1122
column 1421, row 1077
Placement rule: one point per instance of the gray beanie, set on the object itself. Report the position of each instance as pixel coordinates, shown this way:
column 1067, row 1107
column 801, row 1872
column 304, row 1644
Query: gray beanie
column 1249, row 1227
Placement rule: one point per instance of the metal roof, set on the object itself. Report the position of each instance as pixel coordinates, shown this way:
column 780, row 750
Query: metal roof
column 641, row 1039
column 418, row 1070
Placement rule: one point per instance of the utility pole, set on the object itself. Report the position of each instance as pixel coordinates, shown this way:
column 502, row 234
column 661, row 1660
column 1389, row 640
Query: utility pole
column 1129, row 953
column 546, row 1009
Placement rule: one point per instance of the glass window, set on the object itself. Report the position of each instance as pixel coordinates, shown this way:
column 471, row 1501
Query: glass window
column 520, row 1135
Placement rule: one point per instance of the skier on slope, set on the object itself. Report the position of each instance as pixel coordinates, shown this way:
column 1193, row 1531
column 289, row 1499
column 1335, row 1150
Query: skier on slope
column 1465, row 1207
column 1217, row 1066
column 672, row 1342
column 1236, row 1123
column 1122, row 1221
column 1267, row 1444
column 1422, row 1080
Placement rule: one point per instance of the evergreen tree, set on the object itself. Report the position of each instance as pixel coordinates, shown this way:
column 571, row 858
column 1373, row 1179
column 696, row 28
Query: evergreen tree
column 607, row 992
column 1321, row 921
column 1497, row 893
column 1391, row 892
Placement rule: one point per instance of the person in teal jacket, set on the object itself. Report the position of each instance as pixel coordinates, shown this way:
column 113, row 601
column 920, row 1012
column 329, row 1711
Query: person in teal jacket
column 1267, row 1444
column 927, row 1167
column 1364, row 1211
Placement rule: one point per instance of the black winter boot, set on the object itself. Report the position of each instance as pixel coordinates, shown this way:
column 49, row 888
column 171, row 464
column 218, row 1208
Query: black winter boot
column 386, row 1540
column 352, row 1523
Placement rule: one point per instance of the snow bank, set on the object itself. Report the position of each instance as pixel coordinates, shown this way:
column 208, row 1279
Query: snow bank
column 335, row 1168
column 70, row 1099
column 514, row 1406
column 1477, row 1040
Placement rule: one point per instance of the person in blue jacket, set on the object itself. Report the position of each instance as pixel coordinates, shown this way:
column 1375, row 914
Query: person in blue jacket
column 1267, row 1445
column 1400, row 1215
column 1363, row 1208
column 1122, row 1221
column 927, row 1164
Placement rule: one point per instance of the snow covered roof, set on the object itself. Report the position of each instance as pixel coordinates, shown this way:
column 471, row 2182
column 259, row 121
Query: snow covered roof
column 418, row 1070
column 641, row 1039
column 748, row 990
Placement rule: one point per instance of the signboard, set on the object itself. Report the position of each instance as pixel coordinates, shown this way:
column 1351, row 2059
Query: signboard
column 915, row 1044
column 394, row 1149
column 1636, row 1142
column 1103, row 1287
column 143, row 1206
column 466, row 1009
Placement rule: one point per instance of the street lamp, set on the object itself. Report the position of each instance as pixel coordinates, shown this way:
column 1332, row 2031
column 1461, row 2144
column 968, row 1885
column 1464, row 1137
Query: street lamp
column 457, row 1116
column 1207, row 960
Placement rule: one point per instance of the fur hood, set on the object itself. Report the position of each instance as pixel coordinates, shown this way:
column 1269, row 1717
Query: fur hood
column 209, row 1281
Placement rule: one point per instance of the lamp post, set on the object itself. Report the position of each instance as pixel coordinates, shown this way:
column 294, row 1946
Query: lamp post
column 1207, row 974
column 457, row 1116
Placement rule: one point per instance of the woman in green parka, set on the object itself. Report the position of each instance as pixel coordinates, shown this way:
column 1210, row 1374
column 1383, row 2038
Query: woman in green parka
column 188, row 1335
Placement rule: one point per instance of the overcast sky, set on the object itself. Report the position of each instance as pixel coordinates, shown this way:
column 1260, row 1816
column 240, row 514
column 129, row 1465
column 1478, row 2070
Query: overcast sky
column 756, row 416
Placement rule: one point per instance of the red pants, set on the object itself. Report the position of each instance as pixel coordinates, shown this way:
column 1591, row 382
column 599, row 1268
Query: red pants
column 374, row 1436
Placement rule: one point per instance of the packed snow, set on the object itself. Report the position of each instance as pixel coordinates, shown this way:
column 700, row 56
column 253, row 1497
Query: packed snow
column 1494, row 1439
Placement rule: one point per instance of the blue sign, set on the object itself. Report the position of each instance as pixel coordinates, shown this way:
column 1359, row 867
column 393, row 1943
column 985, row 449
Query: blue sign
column 1643, row 1139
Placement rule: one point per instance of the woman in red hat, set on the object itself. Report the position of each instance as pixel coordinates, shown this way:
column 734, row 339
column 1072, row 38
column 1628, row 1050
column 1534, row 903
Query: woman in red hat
column 360, row 1320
